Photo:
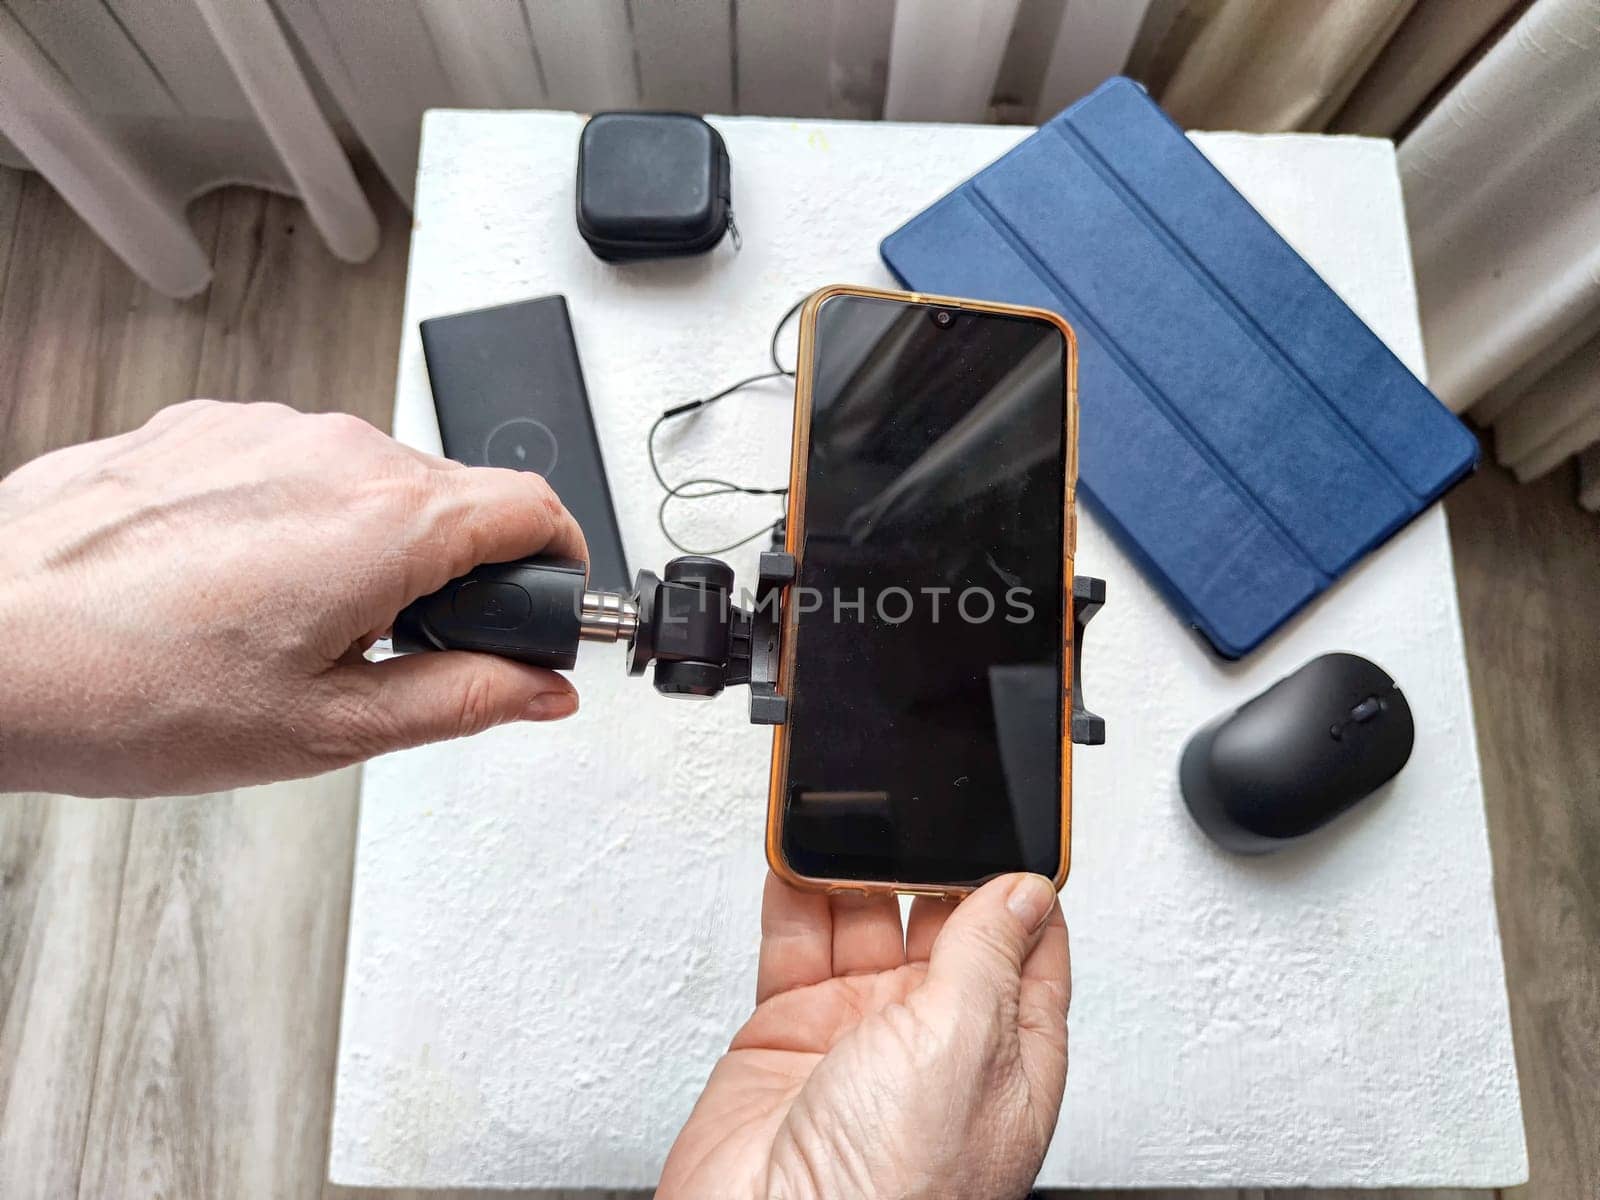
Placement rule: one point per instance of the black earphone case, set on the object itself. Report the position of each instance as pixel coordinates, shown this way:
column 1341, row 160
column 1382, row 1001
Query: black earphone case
column 652, row 185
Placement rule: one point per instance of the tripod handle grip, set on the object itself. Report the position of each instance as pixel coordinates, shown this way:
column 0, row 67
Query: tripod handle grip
column 529, row 610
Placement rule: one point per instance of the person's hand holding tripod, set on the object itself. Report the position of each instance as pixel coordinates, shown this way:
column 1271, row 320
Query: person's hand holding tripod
column 185, row 609
column 186, row 605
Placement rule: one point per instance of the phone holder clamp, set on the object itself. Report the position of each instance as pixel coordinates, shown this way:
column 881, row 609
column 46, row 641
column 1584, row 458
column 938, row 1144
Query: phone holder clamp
column 701, row 640
column 1088, row 598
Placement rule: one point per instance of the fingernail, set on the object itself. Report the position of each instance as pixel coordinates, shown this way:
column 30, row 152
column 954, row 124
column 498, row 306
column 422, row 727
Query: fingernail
column 552, row 706
column 1031, row 900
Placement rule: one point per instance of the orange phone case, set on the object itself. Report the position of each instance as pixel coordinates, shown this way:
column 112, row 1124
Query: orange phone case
column 798, row 463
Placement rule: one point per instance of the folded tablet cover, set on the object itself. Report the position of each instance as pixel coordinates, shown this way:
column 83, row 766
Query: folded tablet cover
column 1245, row 435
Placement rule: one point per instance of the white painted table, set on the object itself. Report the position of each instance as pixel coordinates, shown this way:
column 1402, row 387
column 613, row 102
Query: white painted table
column 554, row 929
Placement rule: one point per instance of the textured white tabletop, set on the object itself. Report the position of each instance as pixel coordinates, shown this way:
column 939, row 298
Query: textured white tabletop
column 553, row 931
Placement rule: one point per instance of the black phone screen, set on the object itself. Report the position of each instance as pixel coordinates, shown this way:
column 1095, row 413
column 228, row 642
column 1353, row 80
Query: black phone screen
column 925, row 723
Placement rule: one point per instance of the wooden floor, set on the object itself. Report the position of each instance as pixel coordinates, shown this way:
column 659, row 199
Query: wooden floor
column 170, row 970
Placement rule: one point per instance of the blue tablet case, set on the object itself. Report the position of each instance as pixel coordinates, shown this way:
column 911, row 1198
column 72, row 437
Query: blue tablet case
column 1245, row 436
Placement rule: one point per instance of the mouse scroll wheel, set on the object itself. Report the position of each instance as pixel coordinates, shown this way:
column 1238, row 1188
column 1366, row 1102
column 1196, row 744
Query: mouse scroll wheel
column 1367, row 709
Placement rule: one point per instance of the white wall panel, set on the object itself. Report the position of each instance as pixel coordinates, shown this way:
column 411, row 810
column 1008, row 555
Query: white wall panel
column 379, row 62
column 684, row 49
column 944, row 58
column 586, row 49
column 859, row 57
column 176, row 44
column 784, row 59
column 486, row 51
column 84, row 40
column 46, row 119
column 1092, row 43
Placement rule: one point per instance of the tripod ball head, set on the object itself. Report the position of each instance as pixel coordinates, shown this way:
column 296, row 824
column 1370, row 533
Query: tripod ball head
column 684, row 627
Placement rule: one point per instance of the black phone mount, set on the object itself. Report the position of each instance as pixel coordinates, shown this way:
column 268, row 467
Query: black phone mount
column 686, row 621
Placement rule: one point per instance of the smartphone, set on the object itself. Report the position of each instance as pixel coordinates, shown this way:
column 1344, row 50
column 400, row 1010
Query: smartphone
column 925, row 644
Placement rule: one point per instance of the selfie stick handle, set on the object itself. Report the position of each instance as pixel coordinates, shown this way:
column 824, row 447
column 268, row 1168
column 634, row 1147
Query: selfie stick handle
column 535, row 610
column 687, row 623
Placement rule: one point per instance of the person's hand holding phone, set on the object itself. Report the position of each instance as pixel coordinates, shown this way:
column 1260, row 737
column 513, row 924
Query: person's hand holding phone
column 924, row 1064
column 185, row 606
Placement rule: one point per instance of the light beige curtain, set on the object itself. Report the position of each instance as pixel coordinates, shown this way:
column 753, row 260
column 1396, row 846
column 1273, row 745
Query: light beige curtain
column 1436, row 39
column 1341, row 66
column 1496, row 104
column 1502, row 184
column 1276, row 64
column 131, row 108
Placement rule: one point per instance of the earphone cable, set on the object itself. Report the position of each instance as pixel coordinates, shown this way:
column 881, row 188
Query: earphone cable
column 707, row 487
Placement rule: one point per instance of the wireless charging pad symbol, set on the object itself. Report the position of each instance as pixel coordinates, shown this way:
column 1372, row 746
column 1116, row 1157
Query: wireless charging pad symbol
column 522, row 444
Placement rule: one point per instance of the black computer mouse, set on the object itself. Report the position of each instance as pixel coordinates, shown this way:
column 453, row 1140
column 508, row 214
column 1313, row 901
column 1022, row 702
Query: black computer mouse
column 1305, row 750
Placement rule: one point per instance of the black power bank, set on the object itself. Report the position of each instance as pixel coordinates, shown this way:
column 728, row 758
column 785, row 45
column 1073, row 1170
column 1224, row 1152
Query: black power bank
column 509, row 392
